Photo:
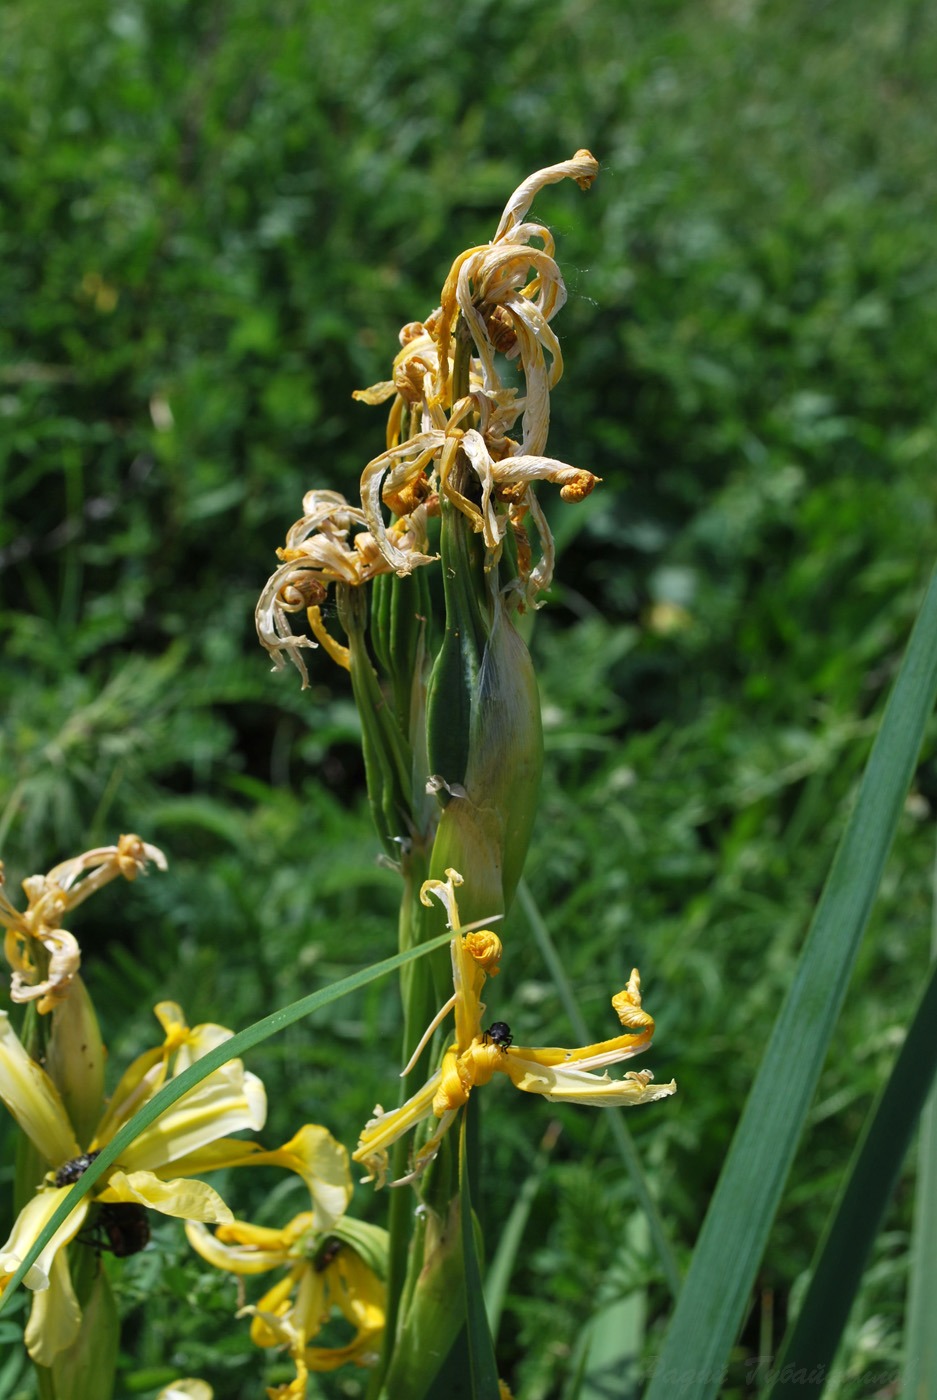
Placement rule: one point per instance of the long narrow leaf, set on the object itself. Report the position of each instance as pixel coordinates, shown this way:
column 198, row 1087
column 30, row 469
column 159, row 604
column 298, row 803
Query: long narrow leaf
column 809, row 1350
column 509, row 1241
column 712, row 1304
column 231, row 1049
column 919, row 1381
column 623, row 1139
column 614, row 1336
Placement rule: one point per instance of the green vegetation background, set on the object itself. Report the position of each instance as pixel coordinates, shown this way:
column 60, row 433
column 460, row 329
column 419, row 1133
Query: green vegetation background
column 215, row 217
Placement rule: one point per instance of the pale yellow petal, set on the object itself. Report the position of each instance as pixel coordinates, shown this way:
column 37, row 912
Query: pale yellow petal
column 565, row 1085
column 531, row 467
column 139, row 1082
column 183, row 1197
column 360, row 1296
column 309, row 1308
column 33, row 1100
column 64, row 962
column 240, row 1258
column 197, row 1043
column 228, row 1100
column 271, row 619
column 186, row 1389
column 583, row 168
column 475, row 448
column 412, row 456
column 28, row 1226
column 82, row 875
column 322, row 1162
column 55, row 1316
column 277, row 1308
column 385, row 1128
column 444, row 890
column 541, row 576
column 216, row 1156
column 377, row 393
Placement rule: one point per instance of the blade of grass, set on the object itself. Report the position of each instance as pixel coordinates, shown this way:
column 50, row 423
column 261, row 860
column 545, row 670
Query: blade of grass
column 715, row 1296
column 231, row 1049
column 614, row 1336
column 623, row 1139
column 836, row 1273
column 919, row 1381
column 509, row 1241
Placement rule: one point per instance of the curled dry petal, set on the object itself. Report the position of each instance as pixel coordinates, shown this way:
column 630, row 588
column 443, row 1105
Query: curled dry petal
column 582, row 168
column 35, row 937
column 502, row 295
column 331, row 543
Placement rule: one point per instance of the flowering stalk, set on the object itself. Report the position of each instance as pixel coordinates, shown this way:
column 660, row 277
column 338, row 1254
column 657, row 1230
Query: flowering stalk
column 450, row 719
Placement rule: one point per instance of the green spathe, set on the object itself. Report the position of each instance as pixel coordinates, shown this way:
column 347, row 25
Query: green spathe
column 483, row 724
column 85, row 1370
column 75, row 1058
column 437, row 1309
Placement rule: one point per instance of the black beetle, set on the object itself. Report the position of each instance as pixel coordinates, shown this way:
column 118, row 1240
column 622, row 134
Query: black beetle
column 69, row 1172
column 499, row 1033
column 126, row 1226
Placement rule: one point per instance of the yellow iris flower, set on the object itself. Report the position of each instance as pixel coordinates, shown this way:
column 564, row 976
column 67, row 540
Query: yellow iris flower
column 153, row 1171
column 325, row 1272
column 563, row 1076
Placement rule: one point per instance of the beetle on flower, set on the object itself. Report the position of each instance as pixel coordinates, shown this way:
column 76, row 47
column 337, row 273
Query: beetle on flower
column 331, row 1263
column 474, row 1057
column 154, row 1171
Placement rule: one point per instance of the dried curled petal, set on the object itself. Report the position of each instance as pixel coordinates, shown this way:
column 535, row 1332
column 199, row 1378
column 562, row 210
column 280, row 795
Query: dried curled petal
column 486, row 948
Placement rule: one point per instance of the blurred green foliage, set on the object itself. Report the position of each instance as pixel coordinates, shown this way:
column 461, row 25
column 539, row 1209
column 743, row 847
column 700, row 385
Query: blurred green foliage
column 216, row 215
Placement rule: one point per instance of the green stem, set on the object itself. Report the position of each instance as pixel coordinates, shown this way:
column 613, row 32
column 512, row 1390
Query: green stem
column 387, row 758
column 416, row 988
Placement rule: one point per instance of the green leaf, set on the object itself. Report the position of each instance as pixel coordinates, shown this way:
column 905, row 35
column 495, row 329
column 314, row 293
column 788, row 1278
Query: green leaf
column 919, row 1381
column 231, row 1049
column 715, row 1296
column 837, row 1271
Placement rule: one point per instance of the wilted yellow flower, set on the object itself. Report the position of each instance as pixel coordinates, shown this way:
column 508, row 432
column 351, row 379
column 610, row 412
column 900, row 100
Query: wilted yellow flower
column 152, row 1171
column 508, row 292
column 500, row 296
column 323, row 1255
column 476, row 1055
column 294, row 1342
column 45, row 957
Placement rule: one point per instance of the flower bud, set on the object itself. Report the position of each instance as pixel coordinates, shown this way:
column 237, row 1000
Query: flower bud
column 75, row 1056
column 484, row 737
column 437, row 1306
column 85, row 1370
column 387, row 760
